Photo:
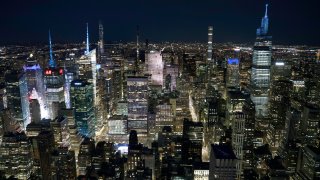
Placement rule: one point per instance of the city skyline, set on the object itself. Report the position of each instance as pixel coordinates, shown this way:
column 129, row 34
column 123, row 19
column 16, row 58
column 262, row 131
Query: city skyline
column 143, row 109
column 293, row 23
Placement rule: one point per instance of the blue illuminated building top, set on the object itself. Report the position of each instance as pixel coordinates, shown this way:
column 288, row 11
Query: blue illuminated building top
column 233, row 61
column 52, row 63
column 33, row 67
column 263, row 30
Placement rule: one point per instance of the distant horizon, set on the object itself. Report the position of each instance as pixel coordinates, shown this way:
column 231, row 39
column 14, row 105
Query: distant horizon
column 291, row 23
column 143, row 42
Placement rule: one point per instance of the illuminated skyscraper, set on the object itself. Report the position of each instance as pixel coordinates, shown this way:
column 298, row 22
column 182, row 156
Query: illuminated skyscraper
column 117, row 128
column 260, row 73
column 102, row 55
column 54, row 84
column 171, row 73
column 101, row 42
column 88, row 70
column 15, row 155
column 34, row 77
column 137, row 104
column 233, row 73
column 83, row 105
column 63, row 164
column 210, row 34
column 17, row 97
column 238, row 130
column 155, row 67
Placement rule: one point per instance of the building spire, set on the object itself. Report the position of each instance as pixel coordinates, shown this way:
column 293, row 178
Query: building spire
column 266, row 13
column 87, row 44
column 52, row 63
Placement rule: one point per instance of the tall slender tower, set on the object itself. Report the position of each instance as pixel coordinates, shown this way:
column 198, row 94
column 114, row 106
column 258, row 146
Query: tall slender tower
column 52, row 63
column 87, row 43
column 261, row 62
column 138, row 43
column 137, row 62
column 101, row 43
column 210, row 33
column 54, row 84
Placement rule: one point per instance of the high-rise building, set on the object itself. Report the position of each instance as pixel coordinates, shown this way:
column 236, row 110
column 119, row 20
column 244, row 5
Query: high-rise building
column 42, row 146
column 249, row 111
column 233, row 73
column 193, row 132
column 17, row 97
column 34, row 78
column 310, row 123
column 102, row 55
column 35, row 110
column 171, row 73
column 60, row 131
column 137, row 104
column 88, row 68
column 238, row 136
column 222, row 162
column 101, row 41
column 210, row 34
column 71, row 73
column 261, row 62
column 15, row 155
column 63, row 164
column 118, row 128
column 83, row 105
column 8, row 123
column 309, row 163
column 164, row 116
column 54, row 84
column 154, row 67
column 85, row 155
column 134, row 155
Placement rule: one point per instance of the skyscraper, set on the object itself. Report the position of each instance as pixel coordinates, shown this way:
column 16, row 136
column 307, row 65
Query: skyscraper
column 101, row 42
column 63, row 164
column 15, row 155
column 102, row 55
column 34, row 78
column 222, row 162
column 233, row 73
column 88, row 70
column 155, row 67
column 210, row 34
column 17, row 97
column 54, row 84
column 137, row 104
column 82, row 103
column 260, row 73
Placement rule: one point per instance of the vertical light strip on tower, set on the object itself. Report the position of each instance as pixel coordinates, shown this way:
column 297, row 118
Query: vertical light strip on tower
column 52, row 63
column 87, row 44
column 210, row 33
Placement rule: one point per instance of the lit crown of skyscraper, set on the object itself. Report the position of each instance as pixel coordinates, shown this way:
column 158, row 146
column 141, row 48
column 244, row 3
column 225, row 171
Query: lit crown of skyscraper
column 52, row 63
column 263, row 30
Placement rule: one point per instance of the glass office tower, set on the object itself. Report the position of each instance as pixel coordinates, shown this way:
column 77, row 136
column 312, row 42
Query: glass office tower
column 261, row 62
column 83, row 105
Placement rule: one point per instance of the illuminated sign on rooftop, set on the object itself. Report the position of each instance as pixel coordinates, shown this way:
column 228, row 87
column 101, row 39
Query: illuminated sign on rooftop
column 279, row 63
column 234, row 61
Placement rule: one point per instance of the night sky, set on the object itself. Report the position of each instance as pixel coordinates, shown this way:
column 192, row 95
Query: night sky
column 291, row 21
